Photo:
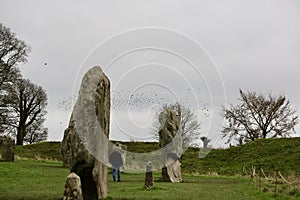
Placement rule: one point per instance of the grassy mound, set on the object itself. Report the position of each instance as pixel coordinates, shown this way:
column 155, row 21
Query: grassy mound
column 41, row 150
column 270, row 154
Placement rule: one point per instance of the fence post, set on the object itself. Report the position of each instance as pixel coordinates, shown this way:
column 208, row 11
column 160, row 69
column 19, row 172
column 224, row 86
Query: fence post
column 276, row 174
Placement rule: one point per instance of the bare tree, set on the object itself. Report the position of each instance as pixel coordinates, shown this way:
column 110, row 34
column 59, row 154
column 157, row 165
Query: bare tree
column 36, row 131
column 257, row 116
column 12, row 52
column 189, row 124
column 27, row 103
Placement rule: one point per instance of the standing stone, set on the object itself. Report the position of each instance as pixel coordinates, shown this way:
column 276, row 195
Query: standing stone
column 73, row 188
column 149, row 182
column 171, row 141
column 8, row 149
column 85, row 144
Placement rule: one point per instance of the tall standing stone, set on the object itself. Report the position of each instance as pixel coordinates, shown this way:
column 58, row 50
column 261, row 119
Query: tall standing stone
column 170, row 140
column 8, row 149
column 85, row 144
column 73, row 188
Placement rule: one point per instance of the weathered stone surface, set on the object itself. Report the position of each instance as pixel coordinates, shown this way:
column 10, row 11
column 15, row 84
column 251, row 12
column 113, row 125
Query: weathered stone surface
column 149, row 182
column 73, row 188
column 171, row 141
column 85, row 144
column 8, row 149
column 174, row 170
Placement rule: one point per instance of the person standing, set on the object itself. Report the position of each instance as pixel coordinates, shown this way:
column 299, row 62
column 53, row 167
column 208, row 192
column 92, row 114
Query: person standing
column 116, row 161
column 116, row 172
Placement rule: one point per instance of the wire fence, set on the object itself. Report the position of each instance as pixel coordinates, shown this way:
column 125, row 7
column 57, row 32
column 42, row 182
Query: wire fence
column 273, row 181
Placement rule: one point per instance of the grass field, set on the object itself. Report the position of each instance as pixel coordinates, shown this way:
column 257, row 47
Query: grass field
column 38, row 173
column 32, row 179
column 28, row 179
column 270, row 154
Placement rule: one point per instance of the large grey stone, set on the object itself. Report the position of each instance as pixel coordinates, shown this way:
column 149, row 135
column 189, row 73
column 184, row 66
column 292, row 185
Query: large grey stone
column 85, row 144
column 170, row 140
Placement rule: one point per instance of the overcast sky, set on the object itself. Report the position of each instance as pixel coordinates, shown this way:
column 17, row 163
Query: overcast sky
column 253, row 45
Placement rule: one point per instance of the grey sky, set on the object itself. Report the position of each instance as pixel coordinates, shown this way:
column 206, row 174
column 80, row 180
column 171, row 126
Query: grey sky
column 255, row 44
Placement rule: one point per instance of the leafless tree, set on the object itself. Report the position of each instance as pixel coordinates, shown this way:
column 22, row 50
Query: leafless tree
column 27, row 104
column 257, row 116
column 36, row 131
column 12, row 52
column 189, row 124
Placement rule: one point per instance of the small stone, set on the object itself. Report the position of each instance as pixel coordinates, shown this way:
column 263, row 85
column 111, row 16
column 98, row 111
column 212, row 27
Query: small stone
column 8, row 149
column 149, row 182
column 73, row 188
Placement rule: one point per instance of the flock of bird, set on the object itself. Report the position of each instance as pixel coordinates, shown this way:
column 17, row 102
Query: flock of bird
column 138, row 101
column 125, row 100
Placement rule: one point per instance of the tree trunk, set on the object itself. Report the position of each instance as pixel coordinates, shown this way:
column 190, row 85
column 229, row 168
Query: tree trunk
column 264, row 134
column 20, row 136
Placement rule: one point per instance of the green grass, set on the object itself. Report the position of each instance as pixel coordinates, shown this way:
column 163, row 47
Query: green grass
column 140, row 147
column 27, row 179
column 32, row 179
column 42, row 174
column 196, row 187
column 41, row 150
column 269, row 154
